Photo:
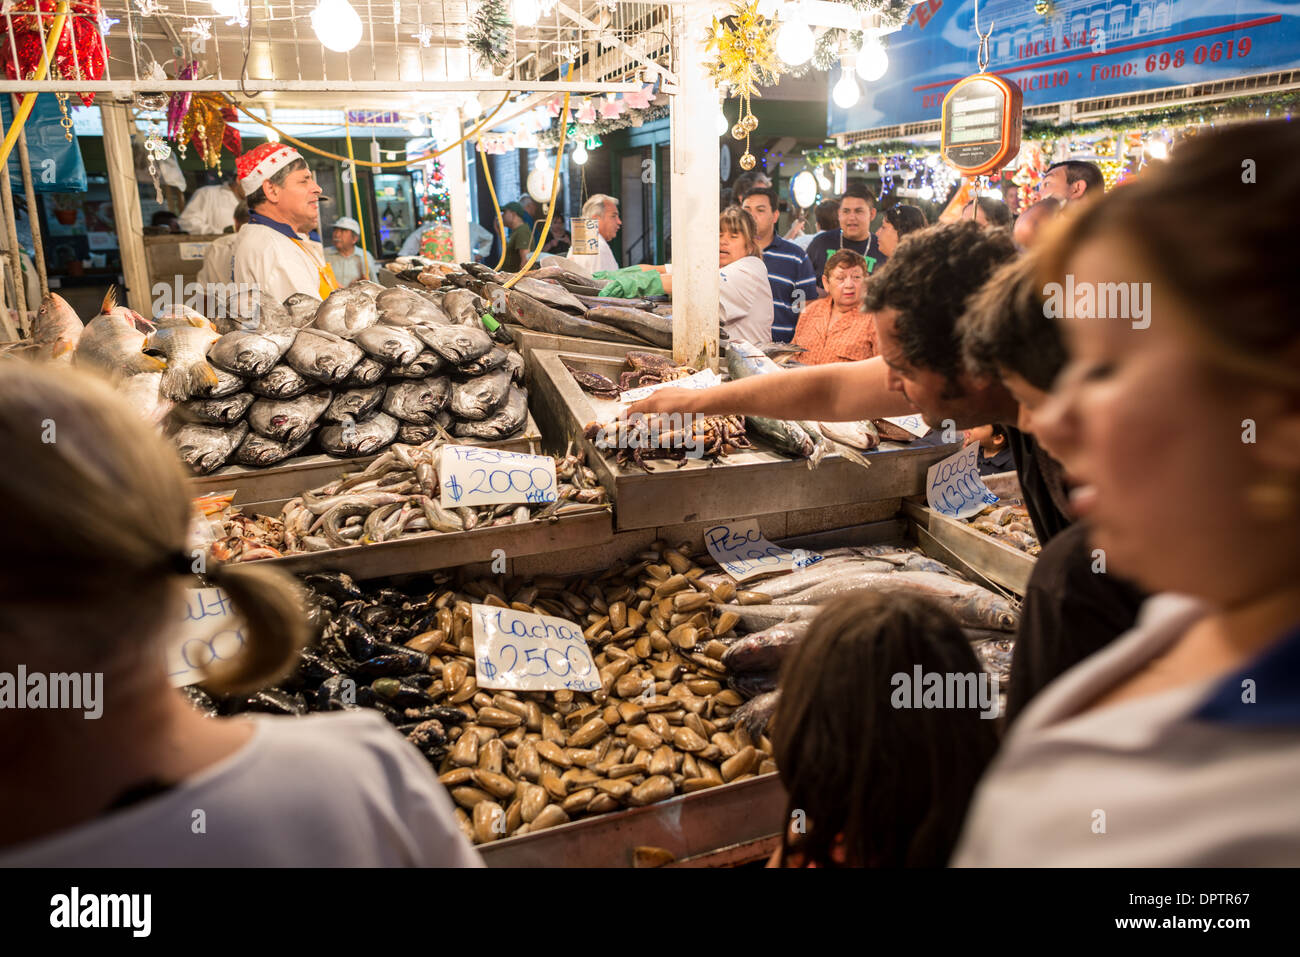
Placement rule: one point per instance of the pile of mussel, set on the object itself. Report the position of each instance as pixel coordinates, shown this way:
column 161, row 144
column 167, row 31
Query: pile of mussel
column 663, row 723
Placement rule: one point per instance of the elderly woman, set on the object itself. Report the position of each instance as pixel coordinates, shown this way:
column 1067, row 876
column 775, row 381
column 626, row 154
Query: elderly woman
column 1178, row 419
column 834, row 328
column 745, row 295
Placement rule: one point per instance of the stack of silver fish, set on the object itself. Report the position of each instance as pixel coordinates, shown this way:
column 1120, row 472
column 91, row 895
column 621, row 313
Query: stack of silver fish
column 363, row 369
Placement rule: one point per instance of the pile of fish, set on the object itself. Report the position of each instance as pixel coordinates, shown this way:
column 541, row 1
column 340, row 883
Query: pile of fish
column 398, row 495
column 554, row 300
column 363, row 369
column 517, row 762
column 1009, row 524
column 779, row 611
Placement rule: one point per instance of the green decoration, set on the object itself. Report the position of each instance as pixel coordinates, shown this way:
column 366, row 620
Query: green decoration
column 490, row 33
column 549, row 139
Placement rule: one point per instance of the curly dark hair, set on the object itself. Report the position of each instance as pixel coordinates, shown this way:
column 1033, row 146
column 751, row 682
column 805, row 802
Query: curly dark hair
column 1005, row 327
column 928, row 280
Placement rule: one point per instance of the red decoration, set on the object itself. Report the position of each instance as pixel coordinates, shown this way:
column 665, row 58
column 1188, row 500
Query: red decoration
column 79, row 54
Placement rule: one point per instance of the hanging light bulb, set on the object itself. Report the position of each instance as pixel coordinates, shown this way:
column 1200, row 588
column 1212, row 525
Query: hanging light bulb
column 723, row 123
column 527, row 13
column 846, row 91
column 794, row 42
column 337, row 25
column 873, row 61
column 580, row 154
column 415, row 126
column 1156, row 149
column 804, row 189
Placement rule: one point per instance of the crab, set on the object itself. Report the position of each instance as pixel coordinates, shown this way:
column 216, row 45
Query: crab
column 650, row 369
column 595, row 383
column 640, row 439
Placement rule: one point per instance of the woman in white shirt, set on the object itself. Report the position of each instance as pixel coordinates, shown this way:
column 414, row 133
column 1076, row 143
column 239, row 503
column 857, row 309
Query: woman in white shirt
column 1178, row 419
column 124, row 772
column 744, row 293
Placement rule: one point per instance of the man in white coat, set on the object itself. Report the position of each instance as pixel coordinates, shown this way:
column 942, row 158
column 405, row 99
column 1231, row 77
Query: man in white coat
column 279, row 250
column 211, row 209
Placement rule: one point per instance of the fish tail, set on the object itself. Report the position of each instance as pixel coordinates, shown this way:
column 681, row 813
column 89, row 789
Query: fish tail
column 203, row 377
column 110, row 301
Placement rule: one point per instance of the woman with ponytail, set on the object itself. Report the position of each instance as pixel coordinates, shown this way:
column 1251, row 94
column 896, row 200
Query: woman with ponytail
column 97, row 515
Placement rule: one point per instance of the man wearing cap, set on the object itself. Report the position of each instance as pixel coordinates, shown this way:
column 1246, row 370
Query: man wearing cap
column 518, row 237
column 349, row 263
column 279, row 250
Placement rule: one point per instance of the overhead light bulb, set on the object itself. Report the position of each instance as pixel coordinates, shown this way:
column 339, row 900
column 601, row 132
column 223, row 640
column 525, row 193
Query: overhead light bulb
column 415, row 126
column 723, row 123
column 873, row 61
column 846, row 91
column 804, row 189
column 580, row 154
column 794, row 42
column 1156, row 150
column 337, row 25
column 527, row 13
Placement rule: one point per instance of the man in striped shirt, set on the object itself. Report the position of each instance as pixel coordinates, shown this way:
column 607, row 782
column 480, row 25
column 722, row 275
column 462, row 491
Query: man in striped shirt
column 790, row 274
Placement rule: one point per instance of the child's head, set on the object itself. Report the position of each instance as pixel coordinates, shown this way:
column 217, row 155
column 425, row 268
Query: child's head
column 992, row 438
column 892, row 784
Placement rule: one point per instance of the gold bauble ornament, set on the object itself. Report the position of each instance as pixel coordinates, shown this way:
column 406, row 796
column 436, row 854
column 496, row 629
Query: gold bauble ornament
column 750, row 123
column 747, row 161
column 1043, row 7
column 738, row 131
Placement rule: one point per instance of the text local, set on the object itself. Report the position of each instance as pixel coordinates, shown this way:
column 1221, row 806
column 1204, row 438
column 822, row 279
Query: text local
column 518, row 629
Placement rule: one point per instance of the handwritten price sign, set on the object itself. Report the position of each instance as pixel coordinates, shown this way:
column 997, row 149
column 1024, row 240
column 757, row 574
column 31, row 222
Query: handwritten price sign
column 953, row 487
column 209, row 632
column 520, row 651
column 700, row 380
column 910, row 423
column 743, row 552
column 473, row 476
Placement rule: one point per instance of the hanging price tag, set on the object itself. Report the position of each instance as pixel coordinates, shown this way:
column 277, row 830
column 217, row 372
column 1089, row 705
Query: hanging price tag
column 474, row 476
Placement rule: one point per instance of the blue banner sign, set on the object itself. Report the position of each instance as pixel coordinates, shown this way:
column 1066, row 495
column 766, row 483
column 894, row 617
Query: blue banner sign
column 1079, row 50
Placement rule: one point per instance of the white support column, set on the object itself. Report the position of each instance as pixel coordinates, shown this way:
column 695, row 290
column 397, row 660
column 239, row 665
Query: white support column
column 455, row 173
column 126, row 204
column 694, row 148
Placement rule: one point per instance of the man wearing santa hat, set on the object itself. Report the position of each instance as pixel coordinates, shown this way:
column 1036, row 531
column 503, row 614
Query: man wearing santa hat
column 279, row 250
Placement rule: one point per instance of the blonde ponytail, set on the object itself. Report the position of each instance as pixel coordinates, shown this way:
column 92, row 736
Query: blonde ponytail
column 275, row 628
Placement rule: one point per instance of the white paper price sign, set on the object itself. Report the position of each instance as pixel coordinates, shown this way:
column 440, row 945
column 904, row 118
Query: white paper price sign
column 743, row 552
column 520, row 651
column 700, row 380
column 910, row 423
column 953, row 487
column 209, row 632
column 473, row 476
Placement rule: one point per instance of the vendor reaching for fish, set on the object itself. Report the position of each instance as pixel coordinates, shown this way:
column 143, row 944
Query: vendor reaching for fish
column 279, row 250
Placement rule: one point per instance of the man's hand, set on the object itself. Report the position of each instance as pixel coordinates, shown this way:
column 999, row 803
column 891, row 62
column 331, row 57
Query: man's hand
column 669, row 399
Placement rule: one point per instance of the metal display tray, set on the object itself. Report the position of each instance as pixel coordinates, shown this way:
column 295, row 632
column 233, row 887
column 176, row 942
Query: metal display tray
column 687, row 826
column 295, row 476
column 747, row 483
column 590, row 527
column 983, row 554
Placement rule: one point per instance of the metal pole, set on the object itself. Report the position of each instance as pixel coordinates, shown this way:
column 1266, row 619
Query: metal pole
column 695, row 202
column 15, row 257
column 38, row 244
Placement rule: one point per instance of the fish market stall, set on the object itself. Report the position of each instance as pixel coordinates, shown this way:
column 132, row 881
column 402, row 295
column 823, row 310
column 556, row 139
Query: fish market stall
column 747, row 482
column 958, row 542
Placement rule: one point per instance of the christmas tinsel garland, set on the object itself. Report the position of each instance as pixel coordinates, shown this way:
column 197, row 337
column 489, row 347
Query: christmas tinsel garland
column 549, row 139
column 490, row 33
column 1238, row 108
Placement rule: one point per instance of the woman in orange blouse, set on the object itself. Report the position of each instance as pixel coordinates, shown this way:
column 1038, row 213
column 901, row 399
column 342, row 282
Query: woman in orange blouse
column 834, row 328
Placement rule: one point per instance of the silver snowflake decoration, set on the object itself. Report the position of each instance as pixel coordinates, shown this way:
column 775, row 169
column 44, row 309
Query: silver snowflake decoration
column 201, row 30
column 425, row 36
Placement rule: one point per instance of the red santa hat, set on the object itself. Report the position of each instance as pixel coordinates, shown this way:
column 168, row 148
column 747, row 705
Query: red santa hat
column 261, row 163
